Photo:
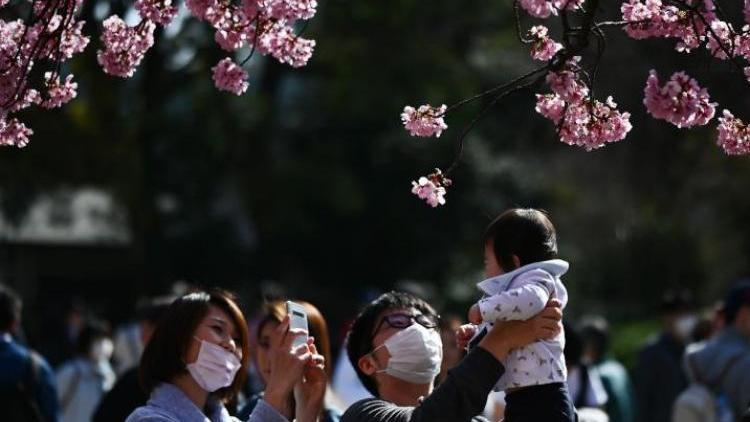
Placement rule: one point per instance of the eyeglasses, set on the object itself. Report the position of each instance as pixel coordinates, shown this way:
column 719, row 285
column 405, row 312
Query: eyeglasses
column 401, row 321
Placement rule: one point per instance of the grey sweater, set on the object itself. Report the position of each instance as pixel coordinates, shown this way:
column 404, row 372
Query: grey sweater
column 461, row 397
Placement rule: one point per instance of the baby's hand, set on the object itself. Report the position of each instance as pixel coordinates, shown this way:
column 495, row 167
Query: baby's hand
column 464, row 334
column 475, row 317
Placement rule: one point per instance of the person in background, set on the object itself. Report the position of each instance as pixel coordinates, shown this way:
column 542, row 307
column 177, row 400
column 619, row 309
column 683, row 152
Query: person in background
column 275, row 312
column 586, row 389
column 127, row 394
column 83, row 380
column 27, row 384
column 197, row 359
column 659, row 376
column 614, row 376
column 452, row 354
column 723, row 364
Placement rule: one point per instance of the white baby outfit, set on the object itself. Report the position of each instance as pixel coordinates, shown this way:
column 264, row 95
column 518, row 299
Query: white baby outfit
column 519, row 295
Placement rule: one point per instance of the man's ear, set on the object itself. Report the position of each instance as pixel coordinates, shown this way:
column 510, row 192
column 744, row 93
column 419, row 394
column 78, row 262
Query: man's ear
column 367, row 364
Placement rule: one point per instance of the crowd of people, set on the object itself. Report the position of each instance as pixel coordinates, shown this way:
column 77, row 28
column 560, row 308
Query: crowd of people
column 195, row 357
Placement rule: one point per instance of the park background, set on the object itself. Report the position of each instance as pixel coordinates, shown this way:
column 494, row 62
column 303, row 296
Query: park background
column 301, row 187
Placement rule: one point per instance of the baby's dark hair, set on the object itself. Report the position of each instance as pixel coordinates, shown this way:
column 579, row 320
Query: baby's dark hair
column 524, row 232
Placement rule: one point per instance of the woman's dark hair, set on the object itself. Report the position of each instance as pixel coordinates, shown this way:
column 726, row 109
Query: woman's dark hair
column 163, row 357
column 92, row 330
column 359, row 338
column 275, row 311
column 526, row 233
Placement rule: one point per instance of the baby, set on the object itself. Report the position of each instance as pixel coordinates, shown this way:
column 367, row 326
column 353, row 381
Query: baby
column 519, row 252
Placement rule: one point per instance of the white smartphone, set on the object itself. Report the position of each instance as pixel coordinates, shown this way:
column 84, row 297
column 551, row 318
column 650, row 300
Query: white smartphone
column 297, row 320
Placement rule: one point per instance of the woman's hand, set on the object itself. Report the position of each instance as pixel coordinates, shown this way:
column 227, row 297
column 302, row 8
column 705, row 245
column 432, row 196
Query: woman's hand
column 508, row 335
column 287, row 365
column 309, row 392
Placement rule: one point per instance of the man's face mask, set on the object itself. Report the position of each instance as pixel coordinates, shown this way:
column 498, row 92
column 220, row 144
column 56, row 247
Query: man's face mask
column 215, row 367
column 416, row 354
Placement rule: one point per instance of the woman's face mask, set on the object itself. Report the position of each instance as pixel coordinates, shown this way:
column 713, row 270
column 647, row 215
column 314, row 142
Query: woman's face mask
column 416, row 354
column 101, row 350
column 215, row 366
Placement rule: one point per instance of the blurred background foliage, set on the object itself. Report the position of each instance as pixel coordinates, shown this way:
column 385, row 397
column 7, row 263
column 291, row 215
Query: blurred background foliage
column 304, row 182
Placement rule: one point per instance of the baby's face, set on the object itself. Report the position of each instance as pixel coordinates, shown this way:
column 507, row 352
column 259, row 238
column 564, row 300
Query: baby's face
column 491, row 266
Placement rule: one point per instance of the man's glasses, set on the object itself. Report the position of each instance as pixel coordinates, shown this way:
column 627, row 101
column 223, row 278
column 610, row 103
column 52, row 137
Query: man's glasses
column 401, row 321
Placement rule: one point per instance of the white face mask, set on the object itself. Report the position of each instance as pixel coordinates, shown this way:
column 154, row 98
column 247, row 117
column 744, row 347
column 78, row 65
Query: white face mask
column 684, row 326
column 101, row 350
column 416, row 354
column 215, row 367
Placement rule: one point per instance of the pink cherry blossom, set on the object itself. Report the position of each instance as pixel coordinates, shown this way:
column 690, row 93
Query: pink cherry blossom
column 199, row 8
column 159, row 11
column 545, row 8
column 566, row 82
column 720, row 39
column 230, row 77
column 124, row 47
column 593, row 125
column 425, row 121
column 653, row 18
column 734, row 135
column 550, row 106
column 58, row 93
column 544, row 47
column 290, row 10
column 284, row 45
column 680, row 101
column 431, row 188
column 14, row 133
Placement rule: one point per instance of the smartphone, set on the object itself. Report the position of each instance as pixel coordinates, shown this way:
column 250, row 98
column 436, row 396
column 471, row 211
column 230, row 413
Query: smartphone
column 297, row 320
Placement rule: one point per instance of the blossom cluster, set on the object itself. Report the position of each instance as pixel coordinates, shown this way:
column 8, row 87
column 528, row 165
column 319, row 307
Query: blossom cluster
column 544, row 48
column 545, row 8
column 53, row 37
column 424, row 121
column 431, row 188
column 680, row 101
column 266, row 25
column 734, row 135
column 581, row 121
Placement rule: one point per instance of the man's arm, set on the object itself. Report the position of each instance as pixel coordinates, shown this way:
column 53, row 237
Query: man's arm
column 45, row 390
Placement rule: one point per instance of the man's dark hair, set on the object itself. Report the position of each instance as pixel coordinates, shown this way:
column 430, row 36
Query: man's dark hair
column 10, row 308
column 738, row 296
column 359, row 338
column 151, row 310
column 524, row 232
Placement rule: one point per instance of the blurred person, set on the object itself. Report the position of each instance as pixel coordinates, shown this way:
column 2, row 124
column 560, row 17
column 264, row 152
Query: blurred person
column 27, row 385
column 83, row 380
column 584, row 383
column 659, row 376
column 274, row 313
column 197, row 359
column 452, row 354
column 613, row 375
column 396, row 350
column 723, row 364
column 127, row 393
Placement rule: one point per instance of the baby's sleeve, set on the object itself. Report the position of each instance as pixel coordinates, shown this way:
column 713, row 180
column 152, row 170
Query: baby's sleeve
column 519, row 303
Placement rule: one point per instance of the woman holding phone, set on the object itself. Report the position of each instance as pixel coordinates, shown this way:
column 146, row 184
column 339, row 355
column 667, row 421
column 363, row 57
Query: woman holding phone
column 197, row 360
column 274, row 313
